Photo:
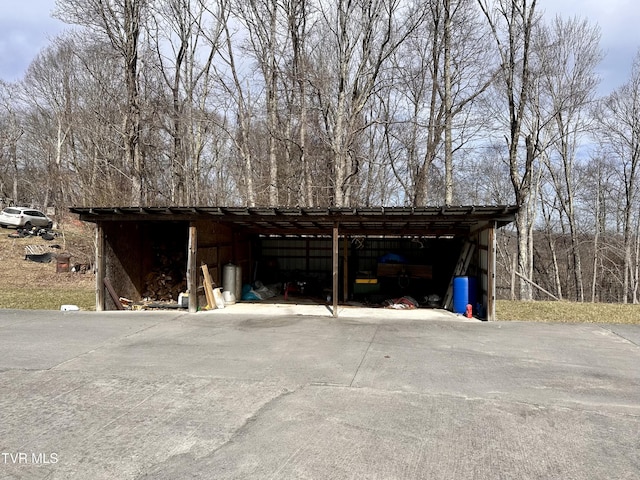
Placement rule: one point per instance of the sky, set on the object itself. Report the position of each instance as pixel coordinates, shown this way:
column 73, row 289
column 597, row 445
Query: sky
column 26, row 27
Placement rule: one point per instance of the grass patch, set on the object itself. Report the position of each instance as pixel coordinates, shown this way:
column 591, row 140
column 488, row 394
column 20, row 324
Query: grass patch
column 47, row 299
column 567, row 312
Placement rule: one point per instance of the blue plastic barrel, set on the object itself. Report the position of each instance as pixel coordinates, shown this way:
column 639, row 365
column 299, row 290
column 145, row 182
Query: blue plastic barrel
column 464, row 293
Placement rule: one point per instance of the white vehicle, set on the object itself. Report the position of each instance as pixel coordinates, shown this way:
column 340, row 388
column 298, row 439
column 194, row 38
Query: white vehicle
column 18, row 217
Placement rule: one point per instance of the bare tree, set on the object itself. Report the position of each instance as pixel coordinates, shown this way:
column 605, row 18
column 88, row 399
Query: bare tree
column 439, row 71
column 549, row 208
column 234, row 86
column 262, row 20
column 49, row 92
column 10, row 135
column 186, row 37
column 355, row 40
column 512, row 23
column 298, row 31
column 416, row 111
column 120, row 21
column 569, row 54
column 619, row 119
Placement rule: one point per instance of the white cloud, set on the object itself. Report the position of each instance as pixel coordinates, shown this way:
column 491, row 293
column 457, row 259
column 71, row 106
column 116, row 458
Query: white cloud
column 618, row 21
column 26, row 27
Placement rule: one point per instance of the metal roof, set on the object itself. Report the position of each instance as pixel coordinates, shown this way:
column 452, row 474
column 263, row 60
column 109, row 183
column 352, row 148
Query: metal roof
column 450, row 220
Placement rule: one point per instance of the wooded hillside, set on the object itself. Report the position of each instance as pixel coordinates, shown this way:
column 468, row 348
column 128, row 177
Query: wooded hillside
column 345, row 103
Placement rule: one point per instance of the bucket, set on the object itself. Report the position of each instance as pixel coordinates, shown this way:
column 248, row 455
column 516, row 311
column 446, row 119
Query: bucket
column 183, row 300
column 62, row 263
column 228, row 297
column 217, row 298
column 464, row 293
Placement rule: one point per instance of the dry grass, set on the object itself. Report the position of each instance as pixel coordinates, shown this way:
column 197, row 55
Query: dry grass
column 567, row 312
column 30, row 285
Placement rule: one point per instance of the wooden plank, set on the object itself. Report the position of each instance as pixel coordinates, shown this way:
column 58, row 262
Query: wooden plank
column 35, row 250
column 396, row 269
column 208, row 287
column 389, row 269
column 113, row 294
column 420, row 271
column 491, row 274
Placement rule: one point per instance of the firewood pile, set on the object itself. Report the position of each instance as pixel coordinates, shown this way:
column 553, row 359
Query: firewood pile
column 163, row 286
column 165, row 281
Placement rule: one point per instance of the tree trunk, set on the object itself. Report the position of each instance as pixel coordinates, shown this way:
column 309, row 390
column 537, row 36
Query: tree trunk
column 339, row 153
column 448, row 142
column 272, row 105
column 556, row 268
column 132, row 14
column 514, row 47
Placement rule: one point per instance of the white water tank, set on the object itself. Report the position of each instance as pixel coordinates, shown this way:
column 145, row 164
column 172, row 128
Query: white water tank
column 229, row 283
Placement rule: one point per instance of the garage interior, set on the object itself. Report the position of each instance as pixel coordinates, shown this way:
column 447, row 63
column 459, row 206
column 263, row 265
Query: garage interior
column 369, row 256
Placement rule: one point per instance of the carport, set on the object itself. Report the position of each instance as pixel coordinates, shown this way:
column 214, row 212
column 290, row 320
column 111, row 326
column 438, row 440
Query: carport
column 135, row 243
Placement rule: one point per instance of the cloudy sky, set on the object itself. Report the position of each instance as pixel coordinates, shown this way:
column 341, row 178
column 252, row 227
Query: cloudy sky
column 26, row 27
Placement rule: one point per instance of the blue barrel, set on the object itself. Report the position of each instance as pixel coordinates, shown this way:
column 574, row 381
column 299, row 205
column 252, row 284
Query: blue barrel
column 464, row 293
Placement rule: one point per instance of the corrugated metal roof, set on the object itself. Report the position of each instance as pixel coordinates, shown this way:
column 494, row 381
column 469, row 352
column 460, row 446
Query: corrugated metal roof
column 451, row 220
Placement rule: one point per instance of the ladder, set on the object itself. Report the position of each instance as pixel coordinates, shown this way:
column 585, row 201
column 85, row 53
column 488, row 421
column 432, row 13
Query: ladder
column 461, row 268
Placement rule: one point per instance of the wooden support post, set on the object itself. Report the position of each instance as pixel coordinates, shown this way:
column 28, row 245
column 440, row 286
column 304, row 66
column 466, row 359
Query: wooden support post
column 100, row 268
column 491, row 274
column 192, row 269
column 336, row 253
column 345, row 269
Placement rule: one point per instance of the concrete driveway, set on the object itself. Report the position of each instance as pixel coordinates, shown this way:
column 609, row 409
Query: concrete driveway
column 288, row 393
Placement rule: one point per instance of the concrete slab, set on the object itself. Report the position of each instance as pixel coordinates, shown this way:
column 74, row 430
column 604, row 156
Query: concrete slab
column 344, row 311
column 628, row 332
column 360, row 433
column 291, row 394
column 60, row 336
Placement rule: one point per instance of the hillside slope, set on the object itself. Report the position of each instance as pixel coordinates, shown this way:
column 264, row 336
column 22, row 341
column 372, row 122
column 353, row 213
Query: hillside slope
column 34, row 285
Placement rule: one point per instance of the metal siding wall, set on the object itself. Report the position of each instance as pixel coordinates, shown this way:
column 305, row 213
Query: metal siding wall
column 306, row 255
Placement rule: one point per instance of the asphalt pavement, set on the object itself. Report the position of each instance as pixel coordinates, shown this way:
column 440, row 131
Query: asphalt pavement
column 289, row 392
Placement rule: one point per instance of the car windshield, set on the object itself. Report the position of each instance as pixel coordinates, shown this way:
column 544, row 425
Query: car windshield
column 11, row 211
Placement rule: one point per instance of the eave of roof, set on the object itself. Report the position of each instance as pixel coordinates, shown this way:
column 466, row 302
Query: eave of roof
column 450, row 220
